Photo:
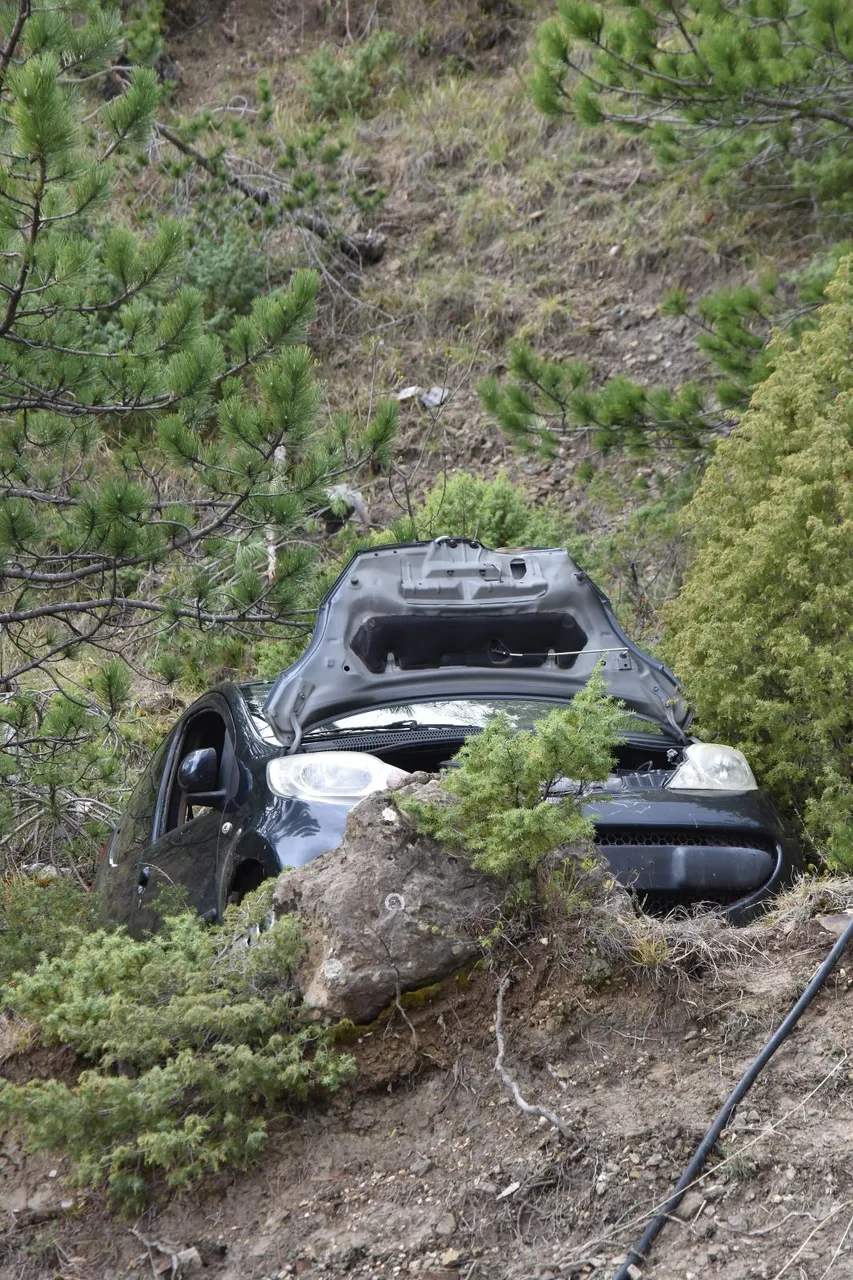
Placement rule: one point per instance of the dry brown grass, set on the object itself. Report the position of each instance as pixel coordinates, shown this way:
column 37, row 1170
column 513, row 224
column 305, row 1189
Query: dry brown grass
column 812, row 896
column 17, row 1036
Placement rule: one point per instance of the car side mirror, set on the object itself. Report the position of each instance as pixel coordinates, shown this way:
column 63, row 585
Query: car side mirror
column 198, row 776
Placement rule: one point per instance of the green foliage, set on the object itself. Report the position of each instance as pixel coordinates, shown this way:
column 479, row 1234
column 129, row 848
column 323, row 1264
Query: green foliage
column 761, row 91
column 249, row 173
column 497, row 512
column 751, row 93
column 38, row 915
column 761, row 633
column 112, row 685
column 162, row 450
column 546, row 400
column 503, row 805
column 230, row 270
column 349, row 83
column 63, row 761
column 194, row 1040
column 143, row 22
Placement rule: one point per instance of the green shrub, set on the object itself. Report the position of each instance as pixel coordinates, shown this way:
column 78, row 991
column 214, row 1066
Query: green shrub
column 497, row 512
column 37, row 918
column 348, row 83
column 501, row 808
column 762, row 632
column 194, row 1040
column 143, row 22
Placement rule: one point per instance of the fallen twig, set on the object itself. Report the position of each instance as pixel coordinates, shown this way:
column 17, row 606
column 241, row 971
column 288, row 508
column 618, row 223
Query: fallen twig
column 529, row 1108
column 793, row 1258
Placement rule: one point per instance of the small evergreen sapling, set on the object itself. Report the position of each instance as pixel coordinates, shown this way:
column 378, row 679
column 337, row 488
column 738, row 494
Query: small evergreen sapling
column 502, row 808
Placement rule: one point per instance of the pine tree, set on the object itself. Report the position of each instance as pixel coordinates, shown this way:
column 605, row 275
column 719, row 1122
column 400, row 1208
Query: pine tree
column 155, row 472
column 757, row 91
column 543, row 402
column 150, row 471
column 758, row 88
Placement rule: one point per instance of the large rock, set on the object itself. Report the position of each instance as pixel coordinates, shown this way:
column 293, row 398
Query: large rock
column 388, row 911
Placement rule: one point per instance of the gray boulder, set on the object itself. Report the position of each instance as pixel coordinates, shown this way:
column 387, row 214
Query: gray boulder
column 388, row 911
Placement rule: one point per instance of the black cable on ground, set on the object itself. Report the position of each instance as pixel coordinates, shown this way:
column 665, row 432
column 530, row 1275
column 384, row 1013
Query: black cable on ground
column 637, row 1256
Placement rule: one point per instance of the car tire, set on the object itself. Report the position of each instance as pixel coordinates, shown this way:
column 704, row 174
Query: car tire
column 249, row 876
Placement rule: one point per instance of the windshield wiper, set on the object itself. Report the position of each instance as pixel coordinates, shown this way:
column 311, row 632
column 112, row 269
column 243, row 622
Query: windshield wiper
column 393, row 726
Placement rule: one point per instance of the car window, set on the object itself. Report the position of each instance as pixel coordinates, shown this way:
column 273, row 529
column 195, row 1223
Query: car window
column 206, row 729
column 474, row 713
column 137, row 823
column 468, row 713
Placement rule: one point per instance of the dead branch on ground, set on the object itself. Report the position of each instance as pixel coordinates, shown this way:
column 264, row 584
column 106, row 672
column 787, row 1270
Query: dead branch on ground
column 529, row 1108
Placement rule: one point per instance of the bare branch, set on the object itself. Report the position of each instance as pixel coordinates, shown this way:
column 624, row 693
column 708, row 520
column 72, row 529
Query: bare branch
column 529, row 1108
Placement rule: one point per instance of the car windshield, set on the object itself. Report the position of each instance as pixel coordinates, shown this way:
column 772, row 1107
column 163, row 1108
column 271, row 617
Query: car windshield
column 469, row 713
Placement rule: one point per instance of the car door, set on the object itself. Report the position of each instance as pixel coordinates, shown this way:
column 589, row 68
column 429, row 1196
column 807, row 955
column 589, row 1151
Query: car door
column 117, row 879
column 190, row 841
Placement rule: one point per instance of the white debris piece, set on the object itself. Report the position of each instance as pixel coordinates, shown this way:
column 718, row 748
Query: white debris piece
column 509, row 1191
column 435, row 397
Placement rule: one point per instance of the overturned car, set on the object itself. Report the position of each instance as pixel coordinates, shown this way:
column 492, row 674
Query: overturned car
column 415, row 647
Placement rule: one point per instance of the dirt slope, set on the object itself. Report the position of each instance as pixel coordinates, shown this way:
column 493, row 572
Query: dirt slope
column 499, row 223
column 426, row 1167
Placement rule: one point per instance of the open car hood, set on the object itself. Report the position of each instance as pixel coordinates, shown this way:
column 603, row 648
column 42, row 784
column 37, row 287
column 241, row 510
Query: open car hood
column 451, row 619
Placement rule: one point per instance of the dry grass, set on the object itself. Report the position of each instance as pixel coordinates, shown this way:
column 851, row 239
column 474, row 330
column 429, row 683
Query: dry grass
column 677, row 949
column 796, row 907
column 17, row 1037
column 681, row 950
column 589, row 914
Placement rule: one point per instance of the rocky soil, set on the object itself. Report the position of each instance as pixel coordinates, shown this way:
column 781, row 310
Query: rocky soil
column 447, row 1158
column 426, row 1168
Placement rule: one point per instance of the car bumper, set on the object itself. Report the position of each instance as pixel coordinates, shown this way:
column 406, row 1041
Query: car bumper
column 674, row 849
column 678, row 849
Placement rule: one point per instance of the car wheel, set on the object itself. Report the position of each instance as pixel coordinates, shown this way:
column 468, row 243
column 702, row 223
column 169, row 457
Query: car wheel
column 249, row 876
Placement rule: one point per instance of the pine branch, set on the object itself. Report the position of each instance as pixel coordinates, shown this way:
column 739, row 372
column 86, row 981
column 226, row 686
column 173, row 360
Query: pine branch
column 368, row 248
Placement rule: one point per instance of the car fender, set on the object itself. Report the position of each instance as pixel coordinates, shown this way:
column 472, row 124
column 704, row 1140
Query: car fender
column 248, row 850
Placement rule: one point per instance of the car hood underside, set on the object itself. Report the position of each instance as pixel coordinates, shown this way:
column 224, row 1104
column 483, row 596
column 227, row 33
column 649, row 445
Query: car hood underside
column 451, row 619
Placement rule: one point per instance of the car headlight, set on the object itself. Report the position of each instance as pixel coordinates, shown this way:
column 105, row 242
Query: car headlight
column 709, row 766
column 331, row 775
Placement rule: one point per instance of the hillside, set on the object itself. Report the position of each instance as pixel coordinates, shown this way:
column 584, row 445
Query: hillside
column 500, row 225
column 425, row 1166
column 394, row 149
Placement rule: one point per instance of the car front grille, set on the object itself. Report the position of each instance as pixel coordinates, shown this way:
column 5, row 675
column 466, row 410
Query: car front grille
column 682, row 835
column 660, row 902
